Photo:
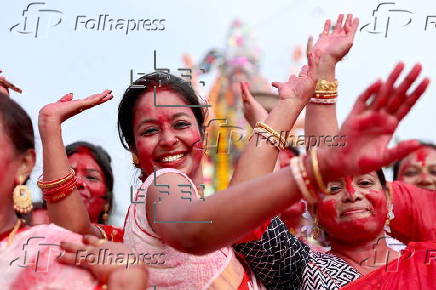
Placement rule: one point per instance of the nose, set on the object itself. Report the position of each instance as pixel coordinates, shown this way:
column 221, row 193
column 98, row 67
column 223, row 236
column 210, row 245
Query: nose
column 168, row 138
column 353, row 196
column 80, row 182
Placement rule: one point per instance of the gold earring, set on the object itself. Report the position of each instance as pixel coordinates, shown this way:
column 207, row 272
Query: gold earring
column 22, row 198
column 105, row 215
column 135, row 159
column 316, row 231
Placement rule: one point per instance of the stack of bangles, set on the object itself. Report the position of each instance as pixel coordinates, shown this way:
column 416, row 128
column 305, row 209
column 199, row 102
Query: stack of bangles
column 326, row 93
column 58, row 189
column 270, row 135
column 307, row 189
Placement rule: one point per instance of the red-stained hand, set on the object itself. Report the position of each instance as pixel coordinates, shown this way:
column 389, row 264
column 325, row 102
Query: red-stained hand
column 66, row 107
column 336, row 44
column 253, row 110
column 301, row 87
column 89, row 256
column 369, row 127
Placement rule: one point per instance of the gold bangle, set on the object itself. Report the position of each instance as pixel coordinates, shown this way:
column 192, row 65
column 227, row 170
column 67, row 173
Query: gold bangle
column 323, row 85
column 102, row 232
column 281, row 139
column 315, row 166
column 269, row 137
column 51, row 184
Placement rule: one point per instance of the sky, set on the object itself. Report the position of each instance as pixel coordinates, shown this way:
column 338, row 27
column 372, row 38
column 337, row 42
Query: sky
column 62, row 49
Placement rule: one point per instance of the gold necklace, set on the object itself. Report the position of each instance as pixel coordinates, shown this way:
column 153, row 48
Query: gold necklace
column 13, row 232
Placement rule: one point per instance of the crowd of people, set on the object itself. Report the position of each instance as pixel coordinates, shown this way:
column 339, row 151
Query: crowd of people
column 324, row 219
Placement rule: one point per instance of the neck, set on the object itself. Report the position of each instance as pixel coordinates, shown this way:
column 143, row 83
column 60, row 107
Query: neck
column 198, row 176
column 8, row 219
column 369, row 255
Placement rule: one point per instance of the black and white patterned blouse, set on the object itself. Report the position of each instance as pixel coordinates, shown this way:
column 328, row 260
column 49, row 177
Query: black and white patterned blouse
column 281, row 261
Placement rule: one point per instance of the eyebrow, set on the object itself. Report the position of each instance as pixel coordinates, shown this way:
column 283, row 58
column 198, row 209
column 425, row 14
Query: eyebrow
column 151, row 120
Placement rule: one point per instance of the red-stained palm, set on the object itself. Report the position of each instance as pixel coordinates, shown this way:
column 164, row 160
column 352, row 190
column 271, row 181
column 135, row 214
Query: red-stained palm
column 370, row 126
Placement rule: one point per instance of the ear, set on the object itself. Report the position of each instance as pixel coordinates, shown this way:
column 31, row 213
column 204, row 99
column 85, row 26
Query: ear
column 26, row 161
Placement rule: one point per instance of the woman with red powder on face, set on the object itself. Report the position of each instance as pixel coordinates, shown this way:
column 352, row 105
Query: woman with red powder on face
column 418, row 168
column 26, row 262
column 412, row 206
column 353, row 217
column 92, row 165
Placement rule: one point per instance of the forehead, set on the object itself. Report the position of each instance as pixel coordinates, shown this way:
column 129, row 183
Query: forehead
column 426, row 153
column 371, row 174
column 166, row 102
column 84, row 159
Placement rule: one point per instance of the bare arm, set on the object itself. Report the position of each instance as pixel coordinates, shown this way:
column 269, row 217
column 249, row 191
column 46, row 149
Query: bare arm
column 259, row 157
column 234, row 212
column 321, row 120
column 70, row 212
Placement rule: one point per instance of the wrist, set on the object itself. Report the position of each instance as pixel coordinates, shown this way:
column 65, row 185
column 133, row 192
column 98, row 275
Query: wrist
column 327, row 68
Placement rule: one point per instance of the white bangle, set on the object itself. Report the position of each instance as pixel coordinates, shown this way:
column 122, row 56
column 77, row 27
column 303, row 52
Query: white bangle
column 323, row 101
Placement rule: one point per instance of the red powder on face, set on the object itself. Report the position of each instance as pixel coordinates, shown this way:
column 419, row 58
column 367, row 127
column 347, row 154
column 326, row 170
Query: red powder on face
column 349, row 186
column 421, row 155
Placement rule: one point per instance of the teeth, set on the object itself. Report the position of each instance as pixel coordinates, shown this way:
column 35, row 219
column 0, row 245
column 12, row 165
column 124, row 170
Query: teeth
column 172, row 158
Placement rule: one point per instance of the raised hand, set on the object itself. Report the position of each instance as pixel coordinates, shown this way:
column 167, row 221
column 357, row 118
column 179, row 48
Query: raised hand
column 335, row 45
column 253, row 111
column 369, row 127
column 301, row 87
column 66, row 107
column 5, row 85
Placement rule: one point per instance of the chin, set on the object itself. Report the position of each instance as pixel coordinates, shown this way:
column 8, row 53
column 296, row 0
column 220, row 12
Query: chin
column 356, row 231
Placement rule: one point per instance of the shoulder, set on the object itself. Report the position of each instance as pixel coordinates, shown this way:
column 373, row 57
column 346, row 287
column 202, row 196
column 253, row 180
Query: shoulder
column 165, row 178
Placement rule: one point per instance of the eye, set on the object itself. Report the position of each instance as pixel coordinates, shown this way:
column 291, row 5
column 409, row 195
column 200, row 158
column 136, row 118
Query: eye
column 92, row 178
column 334, row 188
column 366, row 183
column 432, row 170
column 410, row 172
column 149, row 131
column 182, row 124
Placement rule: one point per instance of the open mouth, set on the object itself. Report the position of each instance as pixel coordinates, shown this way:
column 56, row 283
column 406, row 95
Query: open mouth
column 168, row 158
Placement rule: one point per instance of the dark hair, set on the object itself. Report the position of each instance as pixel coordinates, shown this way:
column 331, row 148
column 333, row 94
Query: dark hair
column 145, row 84
column 382, row 178
column 17, row 124
column 104, row 161
column 294, row 150
column 396, row 166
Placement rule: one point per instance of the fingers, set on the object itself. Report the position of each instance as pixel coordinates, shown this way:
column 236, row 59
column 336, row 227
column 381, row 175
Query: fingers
column 246, row 95
column 276, row 85
column 309, row 46
column 71, row 252
column 304, row 70
column 327, row 25
column 66, row 98
column 348, row 22
column 360, row 104
column 404, row 108
column 387, row 89
column 400, row 93
column 338, row 26
column 400, row 151
column 354, row 27
column 93, row 241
